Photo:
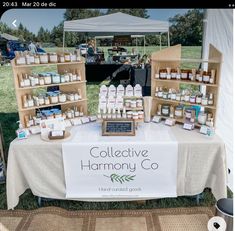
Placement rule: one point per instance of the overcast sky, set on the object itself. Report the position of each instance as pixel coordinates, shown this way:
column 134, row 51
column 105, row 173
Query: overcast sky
column 33, row 19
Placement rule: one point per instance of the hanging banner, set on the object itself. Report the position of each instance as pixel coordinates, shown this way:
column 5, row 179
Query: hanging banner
column 111, row 170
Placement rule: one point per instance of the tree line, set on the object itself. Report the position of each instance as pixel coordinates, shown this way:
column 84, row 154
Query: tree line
column 186, row 29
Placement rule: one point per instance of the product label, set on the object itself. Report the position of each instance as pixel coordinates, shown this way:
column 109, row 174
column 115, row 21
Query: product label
column 163, row 75
column 178, row 113
column 184, row 75
column 173, row 75
column 159, row 94
column 178, row 76
column 206, row 78
column 165, row 111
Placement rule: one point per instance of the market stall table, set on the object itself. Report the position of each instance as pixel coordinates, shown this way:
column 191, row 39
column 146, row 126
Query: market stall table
column 38, row 165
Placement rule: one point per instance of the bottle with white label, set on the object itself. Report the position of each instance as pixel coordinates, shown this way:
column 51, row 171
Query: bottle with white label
column 119, row 114
column 124, row 113
column 114, row 113
column 99, row 114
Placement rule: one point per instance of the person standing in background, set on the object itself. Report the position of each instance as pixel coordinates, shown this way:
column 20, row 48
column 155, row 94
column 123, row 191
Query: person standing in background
column 91, row 52
column 32, row 48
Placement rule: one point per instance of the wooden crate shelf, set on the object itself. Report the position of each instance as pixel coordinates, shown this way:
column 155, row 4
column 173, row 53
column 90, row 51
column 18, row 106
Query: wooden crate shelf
column 50, row 85
column 185, row 82
column 63, row 87
column 171, row 57
column 183, row 102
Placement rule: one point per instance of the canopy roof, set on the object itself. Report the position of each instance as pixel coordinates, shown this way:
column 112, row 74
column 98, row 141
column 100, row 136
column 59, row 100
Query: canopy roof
column 117, row 23
column 8, row 37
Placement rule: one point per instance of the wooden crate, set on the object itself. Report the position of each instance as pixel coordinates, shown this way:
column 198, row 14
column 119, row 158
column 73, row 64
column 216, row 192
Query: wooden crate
column 171, row 57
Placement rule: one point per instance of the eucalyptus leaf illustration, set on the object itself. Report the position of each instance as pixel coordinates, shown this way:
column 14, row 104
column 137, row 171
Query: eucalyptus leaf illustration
column 120, row 179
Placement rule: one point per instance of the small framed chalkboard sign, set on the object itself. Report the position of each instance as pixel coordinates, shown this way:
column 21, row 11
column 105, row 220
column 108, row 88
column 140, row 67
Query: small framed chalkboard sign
column 118, row 127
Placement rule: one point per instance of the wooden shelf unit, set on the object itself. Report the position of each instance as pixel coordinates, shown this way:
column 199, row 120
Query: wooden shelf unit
column 171, row 57
column 63, row 87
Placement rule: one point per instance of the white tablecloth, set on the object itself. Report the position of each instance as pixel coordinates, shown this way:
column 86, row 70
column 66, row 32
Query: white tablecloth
column 38, row 165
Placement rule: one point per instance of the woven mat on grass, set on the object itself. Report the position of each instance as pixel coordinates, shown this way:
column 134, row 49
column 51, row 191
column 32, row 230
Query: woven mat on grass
column 57, row 219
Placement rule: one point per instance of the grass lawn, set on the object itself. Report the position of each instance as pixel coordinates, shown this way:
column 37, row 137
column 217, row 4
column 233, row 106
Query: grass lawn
column 9, row 116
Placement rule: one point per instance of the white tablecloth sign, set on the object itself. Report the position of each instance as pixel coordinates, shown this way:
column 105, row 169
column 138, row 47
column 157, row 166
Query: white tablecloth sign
column 130, row 170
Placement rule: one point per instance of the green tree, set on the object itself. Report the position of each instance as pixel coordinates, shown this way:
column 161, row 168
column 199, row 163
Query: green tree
column 187, row 29
column 57, row 34
column 73, row 14
column 72, row 38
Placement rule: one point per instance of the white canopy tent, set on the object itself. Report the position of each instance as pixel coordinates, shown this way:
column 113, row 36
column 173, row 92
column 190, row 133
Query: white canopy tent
column 117, row 24
column 218, row 30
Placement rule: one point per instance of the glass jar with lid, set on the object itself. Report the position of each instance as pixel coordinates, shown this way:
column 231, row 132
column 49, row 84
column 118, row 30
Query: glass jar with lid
column 198, row 99
column 187, row 97
column 55, row 78
column 173, row 73
column 184, row 74
column 53, row 58
column 179, row 111
column 202, row 117
column 67, row 57
column 43, row 58
column 61, row 58
column 163, row 73
column 188, row 113
column 165, row 95
column 210, row 100
column 206, row 77
column 192, row 99
column 204, row 101
column 165, row 110
column 178, row 96
column 47, row 78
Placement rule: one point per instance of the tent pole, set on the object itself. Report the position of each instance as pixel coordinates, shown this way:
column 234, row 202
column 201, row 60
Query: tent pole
column 168, row 37
column 160, row 38
column 95, row 44
column 63, row 40
column 144, row 46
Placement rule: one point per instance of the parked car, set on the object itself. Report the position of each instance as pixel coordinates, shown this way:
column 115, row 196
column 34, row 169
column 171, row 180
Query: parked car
column 8, row 48
column 83, row 48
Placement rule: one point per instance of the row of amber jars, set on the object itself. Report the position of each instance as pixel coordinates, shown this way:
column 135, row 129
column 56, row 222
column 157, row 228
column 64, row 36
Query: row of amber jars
column 184, row 74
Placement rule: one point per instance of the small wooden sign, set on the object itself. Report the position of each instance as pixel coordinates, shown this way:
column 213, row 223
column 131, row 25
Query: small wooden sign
column 118, row 127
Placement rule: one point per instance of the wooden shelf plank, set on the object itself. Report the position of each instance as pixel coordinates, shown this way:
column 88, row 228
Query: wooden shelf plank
column 51, row 85
column 46, row 64
column 183, row 102
column 51, row 105
column 185, row 82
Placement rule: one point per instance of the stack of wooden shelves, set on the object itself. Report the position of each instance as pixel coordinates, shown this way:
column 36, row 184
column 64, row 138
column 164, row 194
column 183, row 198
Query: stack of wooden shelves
column 64, row 87
column 171, row 57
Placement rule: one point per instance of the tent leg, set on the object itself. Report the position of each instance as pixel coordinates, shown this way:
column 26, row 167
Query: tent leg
column 63, row 40
column 144, row 46
column 168, row 37
column 160, row 38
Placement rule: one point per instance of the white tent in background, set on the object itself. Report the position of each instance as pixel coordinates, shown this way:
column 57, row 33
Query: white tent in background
column 218, row 30
column 117, row 24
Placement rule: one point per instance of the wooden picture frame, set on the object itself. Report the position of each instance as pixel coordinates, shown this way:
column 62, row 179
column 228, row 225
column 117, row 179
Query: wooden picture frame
column 118, row 127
